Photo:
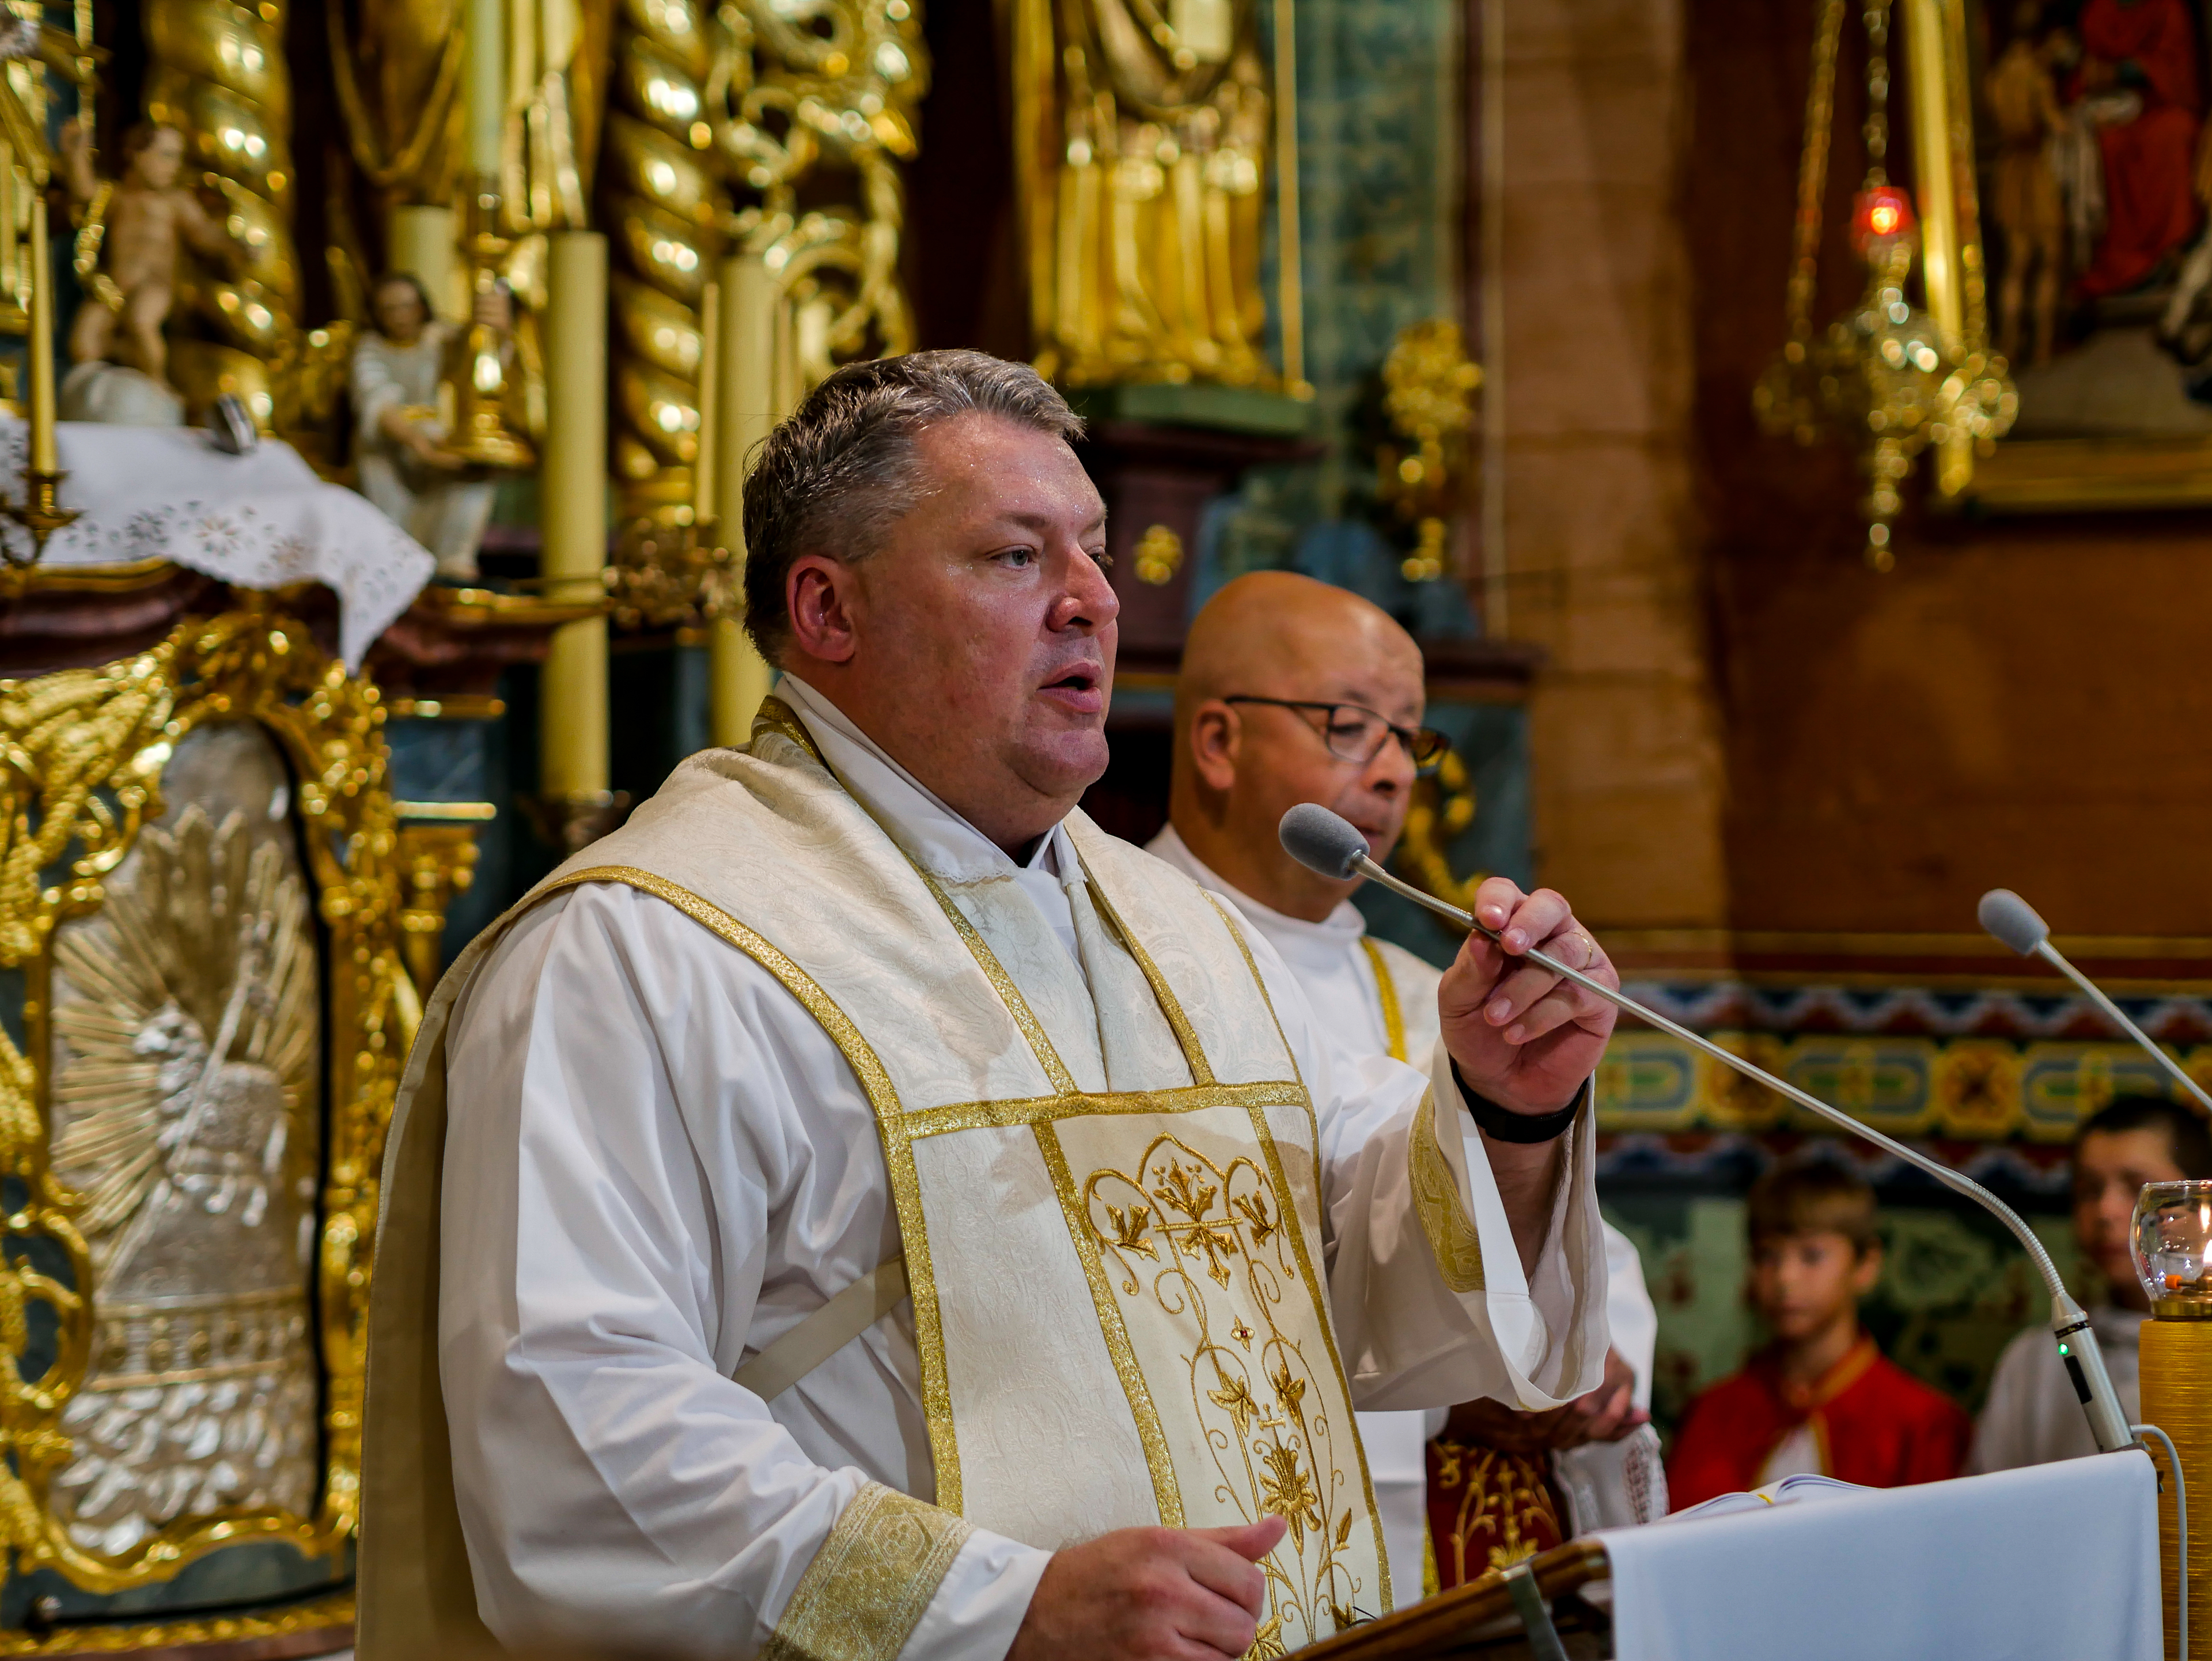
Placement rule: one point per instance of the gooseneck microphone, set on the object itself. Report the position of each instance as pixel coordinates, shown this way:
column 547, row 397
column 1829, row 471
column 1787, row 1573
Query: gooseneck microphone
column 2014, row 921
column 1324, row 842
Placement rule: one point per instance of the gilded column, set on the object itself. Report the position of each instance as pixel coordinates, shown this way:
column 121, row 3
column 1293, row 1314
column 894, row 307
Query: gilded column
column 217, row 75
column 660, row 200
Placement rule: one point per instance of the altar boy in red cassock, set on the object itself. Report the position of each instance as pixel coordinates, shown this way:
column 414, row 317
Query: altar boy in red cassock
column 1819, row 1398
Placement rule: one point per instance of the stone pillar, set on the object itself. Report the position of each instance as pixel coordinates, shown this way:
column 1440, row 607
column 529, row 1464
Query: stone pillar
column 1601, row 562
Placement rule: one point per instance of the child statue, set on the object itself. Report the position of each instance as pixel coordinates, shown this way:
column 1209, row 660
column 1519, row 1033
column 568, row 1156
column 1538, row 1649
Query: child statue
column 149, row 219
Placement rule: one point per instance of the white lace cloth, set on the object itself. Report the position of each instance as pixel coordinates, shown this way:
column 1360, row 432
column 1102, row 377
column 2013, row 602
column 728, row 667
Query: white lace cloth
column 261, row 520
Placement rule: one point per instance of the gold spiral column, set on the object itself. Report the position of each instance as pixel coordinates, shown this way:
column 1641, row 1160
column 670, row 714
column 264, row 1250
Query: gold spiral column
column 218, row 76
column 660, row 195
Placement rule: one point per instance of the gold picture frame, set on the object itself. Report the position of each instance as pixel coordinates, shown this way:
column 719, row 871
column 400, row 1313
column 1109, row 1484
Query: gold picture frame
column 85, row 752
column 2024, row 472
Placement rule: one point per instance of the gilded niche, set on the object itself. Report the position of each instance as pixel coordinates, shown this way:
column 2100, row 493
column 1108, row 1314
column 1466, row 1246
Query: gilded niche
column 198, row 908
column 1141, row 139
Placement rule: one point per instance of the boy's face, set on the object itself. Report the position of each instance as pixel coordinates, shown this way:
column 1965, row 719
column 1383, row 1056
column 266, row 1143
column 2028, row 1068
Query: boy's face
column 1801, row 1284
column 2110, row 1170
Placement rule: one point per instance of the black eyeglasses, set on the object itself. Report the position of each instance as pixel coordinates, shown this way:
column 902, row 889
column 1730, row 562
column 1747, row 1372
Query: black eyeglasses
column 1357, row 734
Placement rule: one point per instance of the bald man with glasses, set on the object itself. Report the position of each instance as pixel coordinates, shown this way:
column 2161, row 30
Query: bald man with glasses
column 1294, row 691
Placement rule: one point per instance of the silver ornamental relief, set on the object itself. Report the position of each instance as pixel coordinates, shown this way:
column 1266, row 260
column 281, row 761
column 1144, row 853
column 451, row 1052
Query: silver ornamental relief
column 185, row 1047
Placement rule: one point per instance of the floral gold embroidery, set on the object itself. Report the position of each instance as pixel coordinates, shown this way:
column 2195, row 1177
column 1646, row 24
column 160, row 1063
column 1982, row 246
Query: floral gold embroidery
column 1437, row 1202
column 1204, row 1242
column 1130, row 1229
column 864, row 1593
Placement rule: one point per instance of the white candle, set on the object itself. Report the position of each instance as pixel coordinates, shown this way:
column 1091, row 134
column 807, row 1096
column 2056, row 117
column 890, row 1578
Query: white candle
column 738, row 678
column 487, row 95
column 44, row 457
column 572, row 514
column 705, row 500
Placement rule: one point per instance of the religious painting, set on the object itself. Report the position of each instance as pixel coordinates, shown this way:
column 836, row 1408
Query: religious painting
column 2091, row 160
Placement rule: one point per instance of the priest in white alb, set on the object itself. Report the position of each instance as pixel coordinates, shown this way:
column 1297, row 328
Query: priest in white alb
column 860, row 1210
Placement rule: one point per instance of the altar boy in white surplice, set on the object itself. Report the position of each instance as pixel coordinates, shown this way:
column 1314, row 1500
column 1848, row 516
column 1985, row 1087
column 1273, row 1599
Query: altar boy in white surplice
column 882, row 1216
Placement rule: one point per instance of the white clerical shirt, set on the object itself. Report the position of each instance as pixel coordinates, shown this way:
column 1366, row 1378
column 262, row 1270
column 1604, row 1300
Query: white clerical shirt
column 629, row 1216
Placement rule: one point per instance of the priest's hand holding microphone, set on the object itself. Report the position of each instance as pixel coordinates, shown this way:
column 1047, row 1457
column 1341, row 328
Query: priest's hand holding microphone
column 1525, row 1042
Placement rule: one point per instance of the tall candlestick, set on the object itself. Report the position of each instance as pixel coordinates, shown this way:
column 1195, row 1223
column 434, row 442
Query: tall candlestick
column 487, row 84
column 44, row 458
column 747, row 410
column 706, row 498
column 1290, row 270
column 425, row 243
column 573, row 516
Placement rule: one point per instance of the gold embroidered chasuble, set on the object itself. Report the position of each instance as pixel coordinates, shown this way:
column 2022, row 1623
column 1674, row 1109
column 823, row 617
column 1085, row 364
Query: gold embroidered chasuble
column 1106, row 1181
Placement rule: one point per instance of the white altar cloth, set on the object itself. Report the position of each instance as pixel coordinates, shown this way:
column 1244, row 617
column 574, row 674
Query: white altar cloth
column 262, row 520
column 2056, row 1562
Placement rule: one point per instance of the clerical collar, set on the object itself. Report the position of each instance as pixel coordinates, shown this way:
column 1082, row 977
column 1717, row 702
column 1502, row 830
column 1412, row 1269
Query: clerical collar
column 1334, row 934
column 944, row 843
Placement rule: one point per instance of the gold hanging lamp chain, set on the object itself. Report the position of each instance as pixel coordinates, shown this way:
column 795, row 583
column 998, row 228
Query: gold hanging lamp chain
column 1813, row 174
column 1877, row 120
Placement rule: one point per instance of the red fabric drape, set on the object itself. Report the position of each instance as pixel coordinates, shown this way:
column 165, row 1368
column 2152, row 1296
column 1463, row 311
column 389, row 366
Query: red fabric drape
column 2150, row 203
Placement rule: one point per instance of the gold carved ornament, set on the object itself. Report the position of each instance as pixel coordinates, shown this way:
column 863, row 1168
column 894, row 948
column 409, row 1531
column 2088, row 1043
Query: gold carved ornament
column 1141, row 134
column 85, row 752
column 218, row 74
column 1422, row 473
column 1885, row 373
column 1442, row 807
column 719, row 120
column 26, row 160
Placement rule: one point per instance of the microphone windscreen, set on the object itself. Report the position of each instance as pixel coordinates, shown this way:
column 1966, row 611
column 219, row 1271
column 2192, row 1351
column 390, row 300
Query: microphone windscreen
column 2013, row 920
column 1321, row 841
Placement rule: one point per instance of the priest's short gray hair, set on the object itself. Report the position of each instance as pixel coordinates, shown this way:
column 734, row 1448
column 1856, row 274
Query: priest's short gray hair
column 840, row 472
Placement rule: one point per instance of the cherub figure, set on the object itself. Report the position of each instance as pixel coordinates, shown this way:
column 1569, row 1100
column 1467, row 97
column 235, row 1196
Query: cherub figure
column 150, row 219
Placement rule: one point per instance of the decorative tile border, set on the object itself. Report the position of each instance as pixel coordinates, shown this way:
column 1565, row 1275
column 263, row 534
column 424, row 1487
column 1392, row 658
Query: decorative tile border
column 1968, row 1067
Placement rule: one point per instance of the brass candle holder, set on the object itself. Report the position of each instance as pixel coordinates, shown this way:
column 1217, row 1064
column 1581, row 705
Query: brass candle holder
column 39, row 512
column 477, row 370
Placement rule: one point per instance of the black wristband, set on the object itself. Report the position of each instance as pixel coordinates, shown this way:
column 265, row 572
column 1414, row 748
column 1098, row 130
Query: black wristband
column 1502, row 1125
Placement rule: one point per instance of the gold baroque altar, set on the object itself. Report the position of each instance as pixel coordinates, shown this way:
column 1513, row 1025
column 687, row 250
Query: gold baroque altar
column 200, row 907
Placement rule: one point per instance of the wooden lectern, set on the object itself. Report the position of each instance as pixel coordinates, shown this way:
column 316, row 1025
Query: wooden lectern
column 1490, row 1616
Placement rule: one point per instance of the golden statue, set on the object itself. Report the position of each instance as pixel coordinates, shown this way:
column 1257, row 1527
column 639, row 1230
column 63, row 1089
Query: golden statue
column 1141, row 134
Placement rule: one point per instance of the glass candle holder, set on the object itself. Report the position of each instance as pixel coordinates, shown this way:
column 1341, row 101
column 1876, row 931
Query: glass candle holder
column 2172, row 1244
